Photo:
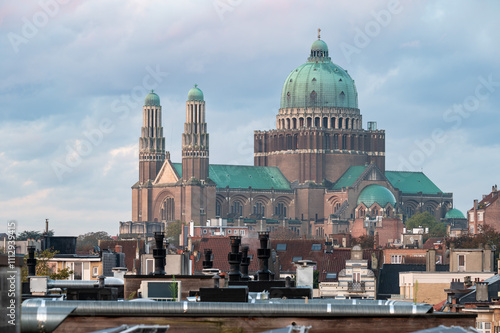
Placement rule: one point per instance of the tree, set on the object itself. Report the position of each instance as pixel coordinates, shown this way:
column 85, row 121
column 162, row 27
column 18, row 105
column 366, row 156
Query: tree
column 86, row 242
column 173, row 231
column 43, row 268
column 32, row 234
column 365, row 241
column 427, row 220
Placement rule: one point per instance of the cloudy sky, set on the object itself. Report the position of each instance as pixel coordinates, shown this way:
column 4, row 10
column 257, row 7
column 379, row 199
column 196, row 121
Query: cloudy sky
column 74, row 75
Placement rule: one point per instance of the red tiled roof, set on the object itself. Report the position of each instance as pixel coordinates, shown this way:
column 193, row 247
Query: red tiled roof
column 325, row 262
column 429, row 244
column 489, row 199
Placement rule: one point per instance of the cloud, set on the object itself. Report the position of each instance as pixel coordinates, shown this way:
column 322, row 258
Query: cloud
column 93, row 55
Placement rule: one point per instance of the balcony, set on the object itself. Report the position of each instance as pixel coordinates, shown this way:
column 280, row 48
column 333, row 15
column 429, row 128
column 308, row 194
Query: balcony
column 356, row 287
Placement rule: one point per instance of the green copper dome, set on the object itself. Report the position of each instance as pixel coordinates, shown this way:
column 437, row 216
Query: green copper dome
column 195, row 94
column 152, row 99
column 454, row 214
column 319, row 83
column 319, row 45
column 376, row 193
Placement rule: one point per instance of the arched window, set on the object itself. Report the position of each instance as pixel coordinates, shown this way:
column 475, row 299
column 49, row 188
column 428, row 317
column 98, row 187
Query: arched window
column 309, row 122
column 295, row 142
column 288, row 123
column 332, row 122
column 316, row 122
column 167, row 210
column 325, row 122
column 344, row 141
column 409, row 211
column 346, row 123
column 280, row 210
column 301, row 122
column 340, row 123
column 258, row 210
column 218, row 208
column 237, row 209
column 294, row 122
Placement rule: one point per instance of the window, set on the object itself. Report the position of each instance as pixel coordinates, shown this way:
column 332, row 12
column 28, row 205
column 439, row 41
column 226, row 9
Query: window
column 77, row 271
column 167, row 210
column 204, row 231
column 397, row 259
column 258, row 209
column 331, row 275
column 461, row 263
column 281, row 247
column 280, row 210
column 316, row 247
column 237, row 209
column 217, row 208
column 150, row 264
column 356, row 276
column 242, row 232
column 295, row 259
column 95, row 271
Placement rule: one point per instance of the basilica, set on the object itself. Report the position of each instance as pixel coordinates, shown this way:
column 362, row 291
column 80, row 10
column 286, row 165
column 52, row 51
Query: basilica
column 319, row 173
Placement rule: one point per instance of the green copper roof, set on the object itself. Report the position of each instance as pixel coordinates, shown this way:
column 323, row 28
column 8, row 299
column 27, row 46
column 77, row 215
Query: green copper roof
column 454, row 214
column 349, row 177
column 376, row 193
column 319, row 45
column 244, row 176
column 412, row 182
column 195, row 94
column 319, row 83
column 152, row 99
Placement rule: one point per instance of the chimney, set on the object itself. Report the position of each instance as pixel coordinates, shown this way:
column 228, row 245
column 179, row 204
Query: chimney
column 264, row 254
column 245, row 262
column 430, row 260
column 31, row 261
column 482, row 292
column 467, row 281
column 234, row 259
column 160, row 254
column 208, row 263
column 376, row 241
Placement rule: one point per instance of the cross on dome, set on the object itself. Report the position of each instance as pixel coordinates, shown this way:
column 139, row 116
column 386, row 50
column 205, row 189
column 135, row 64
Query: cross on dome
column 319, row 31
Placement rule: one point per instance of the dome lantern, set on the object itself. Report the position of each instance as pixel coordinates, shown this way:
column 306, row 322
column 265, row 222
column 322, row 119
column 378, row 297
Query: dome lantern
column 195, row 94
column 152, row 99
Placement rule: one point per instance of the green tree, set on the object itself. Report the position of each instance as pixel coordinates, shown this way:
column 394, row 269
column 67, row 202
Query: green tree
column 173, row 231
column 32, row 234
column 86, row 242
column 427, row 220
column 43, row 268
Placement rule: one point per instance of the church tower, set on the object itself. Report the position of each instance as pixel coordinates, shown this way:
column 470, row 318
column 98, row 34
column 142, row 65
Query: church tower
column 151, row 143
column 195, row 139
